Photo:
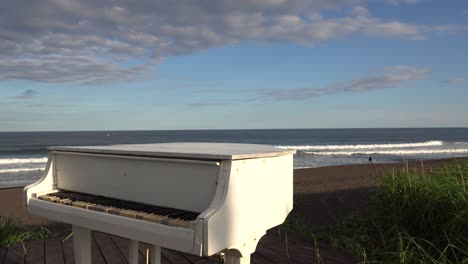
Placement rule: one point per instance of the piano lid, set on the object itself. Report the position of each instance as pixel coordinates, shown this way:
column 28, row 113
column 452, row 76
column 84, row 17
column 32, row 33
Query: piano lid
column 209, row 151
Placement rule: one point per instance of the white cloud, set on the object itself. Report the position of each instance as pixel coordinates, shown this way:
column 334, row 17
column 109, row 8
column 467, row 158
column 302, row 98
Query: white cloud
column 396, row 29
column 94, row 42
column 395, row 76
column 456, row 80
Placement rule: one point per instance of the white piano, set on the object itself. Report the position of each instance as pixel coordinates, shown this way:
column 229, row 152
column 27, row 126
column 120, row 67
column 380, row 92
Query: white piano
column 197, row 198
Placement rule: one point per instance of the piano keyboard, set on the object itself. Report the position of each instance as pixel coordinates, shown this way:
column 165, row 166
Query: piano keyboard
column 157, row 214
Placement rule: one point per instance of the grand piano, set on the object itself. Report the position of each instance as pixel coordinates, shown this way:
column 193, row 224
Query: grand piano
column 197, row 198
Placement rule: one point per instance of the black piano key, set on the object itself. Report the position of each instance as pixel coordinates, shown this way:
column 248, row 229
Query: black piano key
column 192, row 216
column 187, row 216
column 176, row 214
column 165, row 211
column 139, row 208
column 143, row 208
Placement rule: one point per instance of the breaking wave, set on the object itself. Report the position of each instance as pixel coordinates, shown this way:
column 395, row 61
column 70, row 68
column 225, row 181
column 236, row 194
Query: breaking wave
column 366, row 146
column 22, row 161
column 392, row 152
column 21, row 170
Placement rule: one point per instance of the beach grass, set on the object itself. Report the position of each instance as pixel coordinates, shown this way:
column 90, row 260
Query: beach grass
column 415, row 217
column 13, row 231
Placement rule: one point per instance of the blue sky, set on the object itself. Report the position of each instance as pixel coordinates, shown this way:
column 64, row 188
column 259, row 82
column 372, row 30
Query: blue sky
column 231, row 64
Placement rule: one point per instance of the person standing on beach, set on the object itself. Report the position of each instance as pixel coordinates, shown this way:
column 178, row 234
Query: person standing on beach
column 370, row 158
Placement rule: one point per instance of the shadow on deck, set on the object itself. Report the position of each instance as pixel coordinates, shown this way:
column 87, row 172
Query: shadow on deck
column 277, row 246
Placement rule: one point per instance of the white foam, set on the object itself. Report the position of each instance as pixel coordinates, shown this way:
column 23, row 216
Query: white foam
column 366, row 146
column 391, row 152
column 21, row 170
column 22, row 161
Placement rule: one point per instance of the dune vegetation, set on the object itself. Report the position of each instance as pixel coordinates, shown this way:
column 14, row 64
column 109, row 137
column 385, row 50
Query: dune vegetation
column 13, row 231
column 415, row 217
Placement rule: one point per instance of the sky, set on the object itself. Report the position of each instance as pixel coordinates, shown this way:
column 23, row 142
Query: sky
column 232, row 64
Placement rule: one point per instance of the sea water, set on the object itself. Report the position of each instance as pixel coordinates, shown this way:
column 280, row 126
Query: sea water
column 23, row 155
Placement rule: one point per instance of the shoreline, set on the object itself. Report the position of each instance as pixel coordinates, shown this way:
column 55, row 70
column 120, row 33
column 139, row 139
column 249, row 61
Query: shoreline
column 335, row 168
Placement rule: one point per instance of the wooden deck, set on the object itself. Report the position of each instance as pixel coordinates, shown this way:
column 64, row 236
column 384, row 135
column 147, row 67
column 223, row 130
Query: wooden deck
column 275, row 247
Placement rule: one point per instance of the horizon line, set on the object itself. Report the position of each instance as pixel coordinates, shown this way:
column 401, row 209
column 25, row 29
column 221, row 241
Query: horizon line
column 226, row 129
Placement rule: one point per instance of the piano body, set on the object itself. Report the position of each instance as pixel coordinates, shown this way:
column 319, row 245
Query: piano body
column 197, row 198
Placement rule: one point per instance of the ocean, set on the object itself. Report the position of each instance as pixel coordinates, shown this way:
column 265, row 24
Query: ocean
column 23, row 155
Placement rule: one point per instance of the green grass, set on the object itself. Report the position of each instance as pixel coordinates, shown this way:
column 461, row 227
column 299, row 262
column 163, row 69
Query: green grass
column 12, row 232
column 414, row 218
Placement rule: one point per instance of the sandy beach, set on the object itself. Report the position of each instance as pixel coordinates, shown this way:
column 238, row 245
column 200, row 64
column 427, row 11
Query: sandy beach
column 324, row 195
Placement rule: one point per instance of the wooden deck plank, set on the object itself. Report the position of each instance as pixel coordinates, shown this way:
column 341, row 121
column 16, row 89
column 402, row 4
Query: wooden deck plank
column 109, row 249
column 35, row 252
column 15, row 254
column 96, row 253
column 278, row 251
column 53, row 251
column 259, row 258
column 142, row 250
column 122, row 245
column 299, row 252
column 297, row 246
column 199, row 260
column 3, row 252
column 174, row 256
column 273, row 256
column 67, row 249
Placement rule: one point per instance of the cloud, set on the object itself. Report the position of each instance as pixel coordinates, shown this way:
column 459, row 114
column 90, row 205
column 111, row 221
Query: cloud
column 209, row 103
column 290, row 94
column 26, row 94
column 389, row 77
column 97, row 42
column 397, row 2
column 456, row 80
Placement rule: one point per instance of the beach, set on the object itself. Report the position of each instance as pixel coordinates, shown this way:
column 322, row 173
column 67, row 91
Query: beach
column 324, row 195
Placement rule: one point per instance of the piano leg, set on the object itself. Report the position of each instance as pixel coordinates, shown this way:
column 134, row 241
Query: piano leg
column 133, row 252
column 82, row 244
column 155, row 254
column 233, row 256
